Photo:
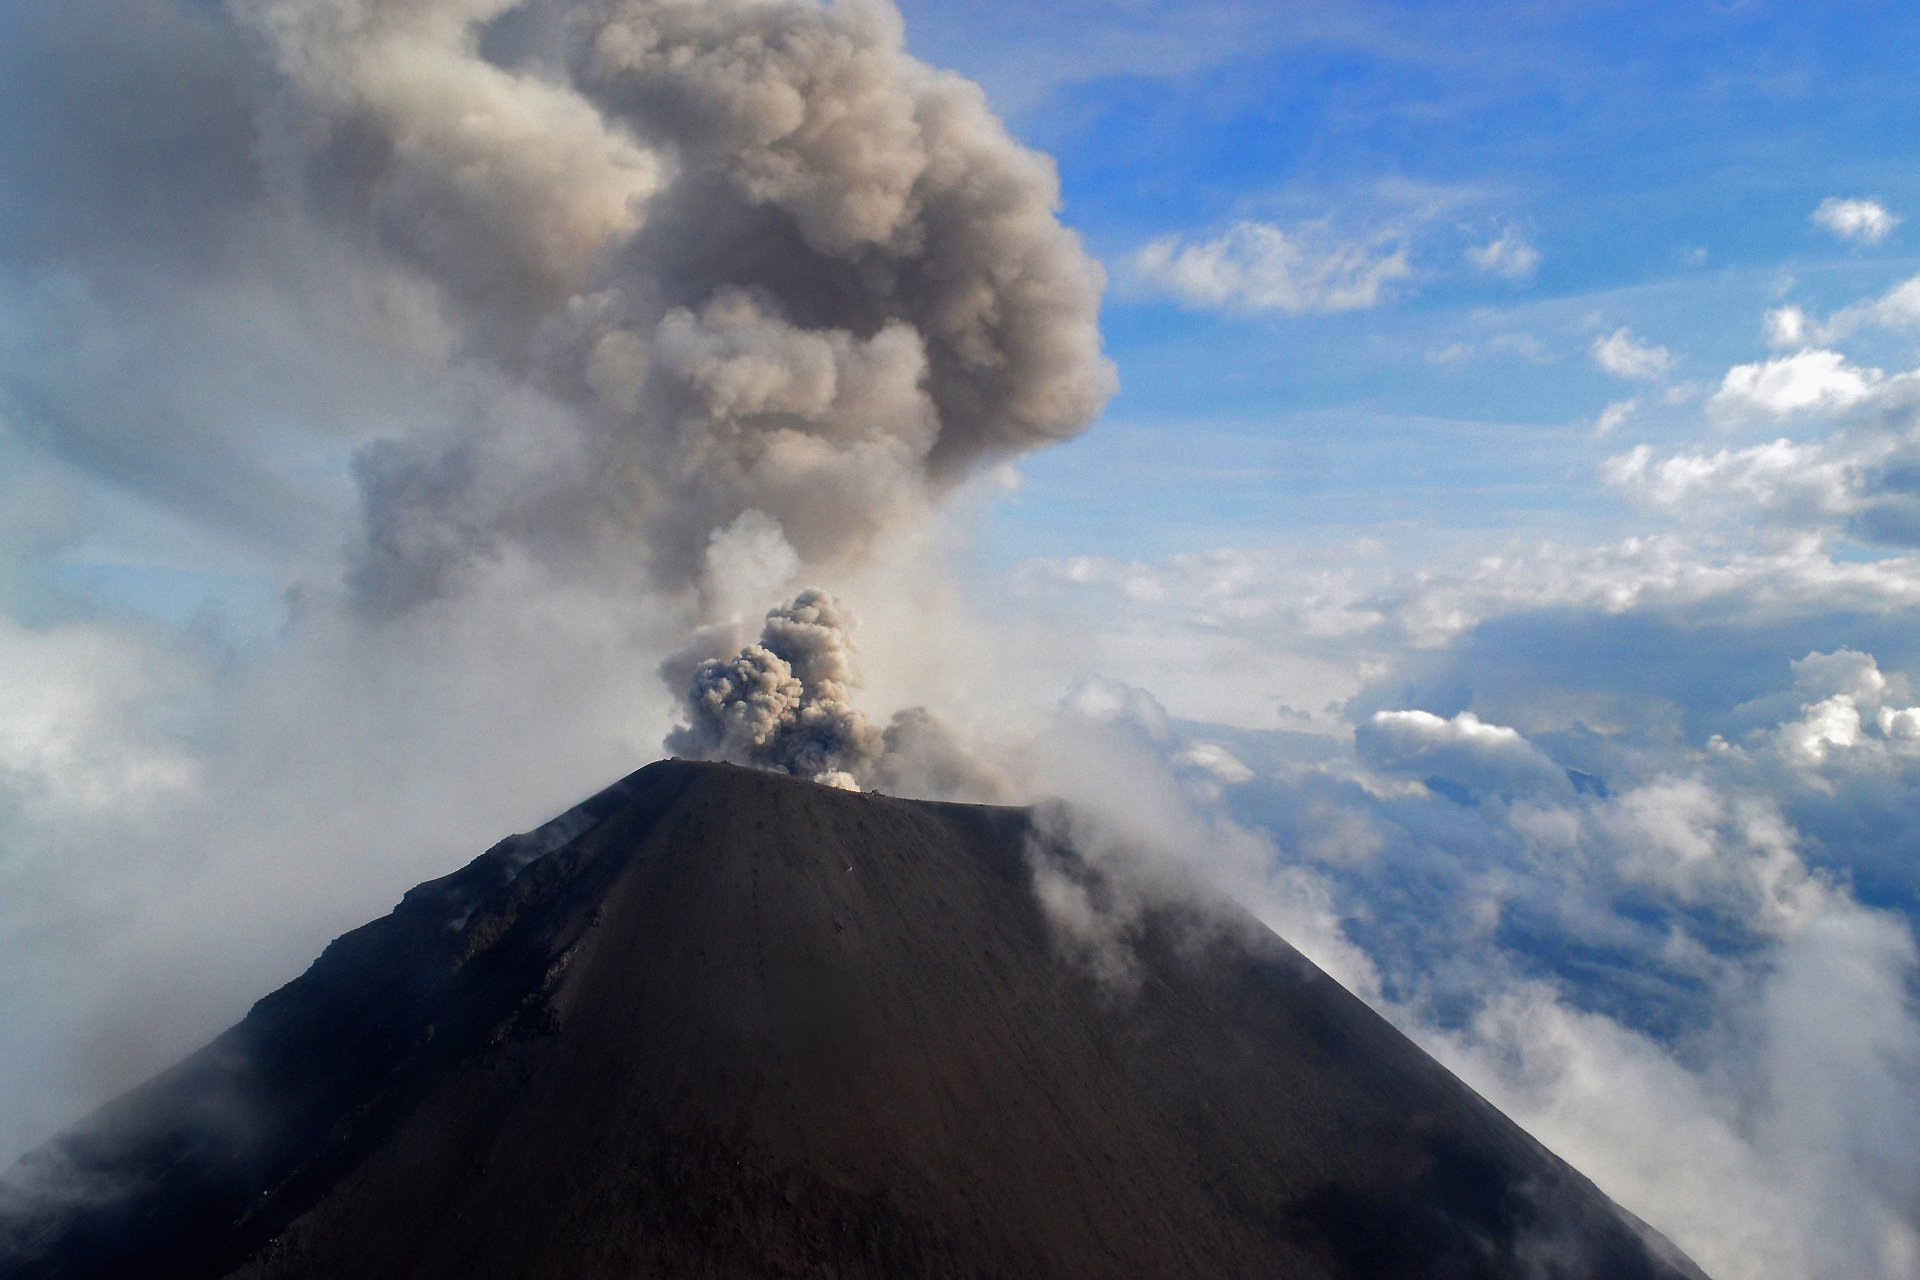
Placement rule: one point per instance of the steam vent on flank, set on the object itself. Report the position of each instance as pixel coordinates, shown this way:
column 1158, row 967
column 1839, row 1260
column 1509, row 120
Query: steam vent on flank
column 716, row 1022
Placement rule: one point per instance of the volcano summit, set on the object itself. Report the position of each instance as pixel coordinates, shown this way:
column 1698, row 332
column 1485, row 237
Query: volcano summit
column 719, row 1022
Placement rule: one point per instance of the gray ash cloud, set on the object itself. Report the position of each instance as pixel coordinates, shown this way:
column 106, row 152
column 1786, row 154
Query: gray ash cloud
column 749, row 256
column 785, row 704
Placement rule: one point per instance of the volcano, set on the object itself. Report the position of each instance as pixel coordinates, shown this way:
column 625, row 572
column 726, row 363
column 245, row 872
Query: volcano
column 718, row 1022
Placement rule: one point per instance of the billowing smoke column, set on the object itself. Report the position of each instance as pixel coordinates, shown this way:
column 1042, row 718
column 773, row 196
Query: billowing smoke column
column 747, row 259
column 733, row 280
column 782, row 704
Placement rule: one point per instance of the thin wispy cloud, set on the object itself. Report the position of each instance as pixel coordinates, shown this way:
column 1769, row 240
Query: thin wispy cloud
column 1256, row 266
column 1526, row 346
column 1614, row 416
column 1509, row 256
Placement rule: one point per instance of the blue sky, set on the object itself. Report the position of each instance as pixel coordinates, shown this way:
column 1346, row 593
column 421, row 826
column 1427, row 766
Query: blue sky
column 1497, row 566
column 1663, row 161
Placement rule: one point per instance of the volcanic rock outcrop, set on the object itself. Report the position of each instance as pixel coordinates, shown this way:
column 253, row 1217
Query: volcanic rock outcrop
column 718, row 1022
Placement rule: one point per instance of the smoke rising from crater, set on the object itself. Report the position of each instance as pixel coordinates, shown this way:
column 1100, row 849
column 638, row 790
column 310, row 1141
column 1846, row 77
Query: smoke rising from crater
column 785, row 703
column 751, row 255
column 782, row 704
column 485, row 351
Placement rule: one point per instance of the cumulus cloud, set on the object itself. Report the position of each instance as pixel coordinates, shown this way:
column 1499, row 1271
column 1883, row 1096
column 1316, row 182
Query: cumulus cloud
column 1897, row 308
column 1786, row 326
column 1630, row 963
column 1806, row 381
column 1861, row 221
column 1508, row 256
column 1624, row 355
column 1790, row 1166
column 1856, row 477
column 1478, row 758
column 1842, row 716
column 1704, row 847
column 1782, row 479
column 1255, row 266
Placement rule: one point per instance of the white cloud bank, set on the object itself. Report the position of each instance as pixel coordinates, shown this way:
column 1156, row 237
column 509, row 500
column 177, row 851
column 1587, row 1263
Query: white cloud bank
column 1621, row 829
column 1646, row 958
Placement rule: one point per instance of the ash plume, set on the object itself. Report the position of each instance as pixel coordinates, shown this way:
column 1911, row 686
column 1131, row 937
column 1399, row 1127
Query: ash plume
column 751, row 255
column 785, row 704
column 782, row 704
column 501, row 346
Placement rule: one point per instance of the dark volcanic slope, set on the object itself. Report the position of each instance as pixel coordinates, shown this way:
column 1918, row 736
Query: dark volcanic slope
column 732, row 1024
